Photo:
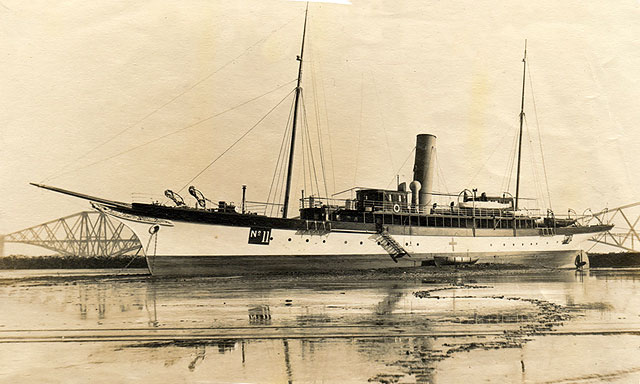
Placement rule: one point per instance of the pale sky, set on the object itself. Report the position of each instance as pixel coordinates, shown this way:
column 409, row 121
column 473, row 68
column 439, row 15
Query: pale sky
column 76, row 73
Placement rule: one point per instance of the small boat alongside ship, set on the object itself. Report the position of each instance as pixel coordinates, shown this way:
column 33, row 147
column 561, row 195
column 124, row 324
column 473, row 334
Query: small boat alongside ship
column 377, row 228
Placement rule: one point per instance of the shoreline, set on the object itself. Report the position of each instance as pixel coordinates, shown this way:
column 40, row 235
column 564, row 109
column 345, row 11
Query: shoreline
column 14, row 262
column 421, row 275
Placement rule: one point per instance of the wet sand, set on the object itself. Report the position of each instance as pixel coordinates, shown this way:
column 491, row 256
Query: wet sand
column 405, row 326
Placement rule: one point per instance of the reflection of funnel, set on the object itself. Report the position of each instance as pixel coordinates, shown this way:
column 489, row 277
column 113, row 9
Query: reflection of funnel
column 388, row 304
column 423, row 167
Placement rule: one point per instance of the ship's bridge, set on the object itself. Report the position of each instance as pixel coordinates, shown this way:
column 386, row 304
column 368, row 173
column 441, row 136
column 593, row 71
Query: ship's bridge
column 367, row 200
column 370, row 200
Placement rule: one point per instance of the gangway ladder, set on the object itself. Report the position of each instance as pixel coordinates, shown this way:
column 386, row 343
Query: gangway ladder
column 392, row 247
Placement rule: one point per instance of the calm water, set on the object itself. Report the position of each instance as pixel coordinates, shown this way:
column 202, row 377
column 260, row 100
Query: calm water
column 79, row 326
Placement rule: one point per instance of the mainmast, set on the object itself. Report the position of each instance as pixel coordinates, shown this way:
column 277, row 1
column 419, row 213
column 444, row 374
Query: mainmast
column 524, row 72
column 285, row 208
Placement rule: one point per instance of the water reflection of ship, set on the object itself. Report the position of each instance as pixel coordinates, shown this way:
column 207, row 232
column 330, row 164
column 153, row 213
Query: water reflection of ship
column 292, row 351
column 413, row 358
column 386, row 305
column 260, row 314
column 201, row 352
column 152, row 313
column 101, row 299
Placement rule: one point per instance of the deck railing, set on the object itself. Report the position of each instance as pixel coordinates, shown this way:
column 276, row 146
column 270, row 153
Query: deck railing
column 263, row 208
column 525, row 218
column 399, row 207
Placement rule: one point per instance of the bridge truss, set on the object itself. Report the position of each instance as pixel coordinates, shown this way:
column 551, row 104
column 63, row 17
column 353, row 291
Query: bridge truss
column 623, row 235
column 83, row 234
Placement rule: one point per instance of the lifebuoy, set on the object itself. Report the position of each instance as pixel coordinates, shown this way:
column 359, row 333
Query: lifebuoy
column 396, row 208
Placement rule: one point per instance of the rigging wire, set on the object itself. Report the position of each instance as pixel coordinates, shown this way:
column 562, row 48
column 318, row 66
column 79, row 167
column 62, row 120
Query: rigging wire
column 153, row 112
column 280, row 188
column 506, row 180
column 355, row 173
column 318, row 129
column 312, row 164
column 495, row 149
column 304, row 157
column 281, row 172
column 326, row 116
column 539, row 176
column 277, row 172
column 535, row 111
column 540, row 188
column 384, row 126
column 176, row 131
column 440, row 173
column 402, row 166
column 236, row 142
column 306, row 161
column 510, row 164
column 536, row 182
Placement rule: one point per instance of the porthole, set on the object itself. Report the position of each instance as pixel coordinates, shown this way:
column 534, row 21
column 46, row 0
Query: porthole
column 345, row 241
column 307, row 240
column 271, row 238
column 324, row 241
column 418, row 244
column 361, row 243
column 378, row 242
column 406, row 244
column 289, row 239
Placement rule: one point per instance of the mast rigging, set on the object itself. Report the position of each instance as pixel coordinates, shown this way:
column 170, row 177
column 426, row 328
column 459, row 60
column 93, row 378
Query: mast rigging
column 524, row 72
column 285, row 207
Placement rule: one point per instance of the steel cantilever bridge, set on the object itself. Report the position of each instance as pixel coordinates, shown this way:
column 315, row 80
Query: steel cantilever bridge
column 84, row 234
column 624, row 235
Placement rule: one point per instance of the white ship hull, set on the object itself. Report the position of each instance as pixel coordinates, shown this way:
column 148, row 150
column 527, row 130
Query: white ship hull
column 186, row 248
column 377, row 228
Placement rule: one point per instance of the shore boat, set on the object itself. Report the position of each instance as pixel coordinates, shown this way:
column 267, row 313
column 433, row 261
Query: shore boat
column 379, row 228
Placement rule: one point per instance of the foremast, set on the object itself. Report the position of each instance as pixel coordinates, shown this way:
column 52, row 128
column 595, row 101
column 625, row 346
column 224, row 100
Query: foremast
column 285, row 207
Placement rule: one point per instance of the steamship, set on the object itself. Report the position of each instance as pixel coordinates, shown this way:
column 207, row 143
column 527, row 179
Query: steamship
column 376, row 228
